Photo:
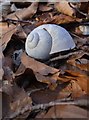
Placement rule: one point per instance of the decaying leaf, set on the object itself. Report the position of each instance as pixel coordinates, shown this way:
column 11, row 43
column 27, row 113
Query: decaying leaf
column 18, row 99
column 25, row 13
column 7, row 33
column 6, row 111
column 45, row 8
column 36, row 66
column 42, row 72
column 68, row 111
column 27, row 79
column 49, row 80
column 62, row 19
column 48, row 95
column 81, row 79
column 65, row 8
column 80, row 62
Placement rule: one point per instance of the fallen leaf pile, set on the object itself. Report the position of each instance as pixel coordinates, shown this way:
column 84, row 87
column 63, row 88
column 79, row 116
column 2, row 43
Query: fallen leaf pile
column 56, row 88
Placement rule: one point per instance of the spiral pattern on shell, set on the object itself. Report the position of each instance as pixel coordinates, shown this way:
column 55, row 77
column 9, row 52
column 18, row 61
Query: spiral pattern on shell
column 35, row 41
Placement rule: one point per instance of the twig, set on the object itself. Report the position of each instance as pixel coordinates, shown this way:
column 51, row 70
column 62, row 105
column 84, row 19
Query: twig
column 67, row 101
column 16, row 21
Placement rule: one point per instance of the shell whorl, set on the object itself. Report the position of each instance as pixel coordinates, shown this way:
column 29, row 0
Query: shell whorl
column 33, row 40
column 38, row 44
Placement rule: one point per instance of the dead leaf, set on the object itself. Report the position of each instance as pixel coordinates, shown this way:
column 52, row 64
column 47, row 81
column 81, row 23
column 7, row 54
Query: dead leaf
column 73, row 89
column 67, row 111
column 24, row 13
column 45, row 8
column 81, row 79
column 8, row 74
column 18, row 99
column 7, row 62
column 76, row 89
column 81, row 66
column 80, row 62
column 28, row 79
column 7, row 33
column 65, row 8
column 44, row 18
column 49, row 79
column 42, row 72
column 36, row 66
column 48, row 95
column 6, row 110
column 63, row 19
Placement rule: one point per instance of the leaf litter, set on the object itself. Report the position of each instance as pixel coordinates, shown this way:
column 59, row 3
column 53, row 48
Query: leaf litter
column 44, row 89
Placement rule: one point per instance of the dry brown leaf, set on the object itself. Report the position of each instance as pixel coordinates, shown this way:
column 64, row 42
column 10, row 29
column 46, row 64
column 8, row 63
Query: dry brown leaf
column 65, row 8
column 8, row 74
column 76, row 89
column 49, row 79
column 6, row 111
column 81, row 79
column 81, row 66
column 80, row 62
column 44, row 18
column 42, row 72
column 67, row 111
column 24, row 13
column 7, row 62
column 60, row 19
column 73, row 89
column 36, row 66
column 48, row 95
column 45, row 8
column 26, row 78
column 7, row 33
column 18, row 98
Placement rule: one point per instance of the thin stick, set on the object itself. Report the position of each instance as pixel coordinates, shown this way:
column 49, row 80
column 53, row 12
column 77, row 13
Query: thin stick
column 81, row 102
column 16, row 21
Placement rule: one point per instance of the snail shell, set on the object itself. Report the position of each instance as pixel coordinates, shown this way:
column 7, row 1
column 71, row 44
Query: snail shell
column 46, row 40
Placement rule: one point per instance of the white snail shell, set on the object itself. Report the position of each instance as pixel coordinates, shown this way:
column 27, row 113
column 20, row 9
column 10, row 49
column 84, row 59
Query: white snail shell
column 46, row 40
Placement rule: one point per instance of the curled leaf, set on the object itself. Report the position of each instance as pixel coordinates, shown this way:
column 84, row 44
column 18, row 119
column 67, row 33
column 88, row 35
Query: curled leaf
column 65, row 8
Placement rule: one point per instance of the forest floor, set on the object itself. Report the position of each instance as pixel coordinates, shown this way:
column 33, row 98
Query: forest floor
column 56, row 88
